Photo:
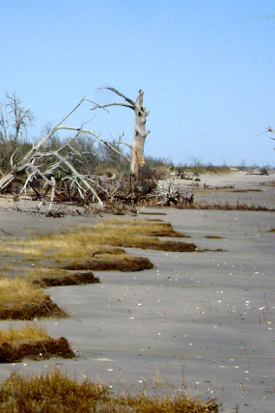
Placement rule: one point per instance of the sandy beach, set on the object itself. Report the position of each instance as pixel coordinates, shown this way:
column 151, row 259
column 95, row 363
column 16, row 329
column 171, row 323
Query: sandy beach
column 201, row 322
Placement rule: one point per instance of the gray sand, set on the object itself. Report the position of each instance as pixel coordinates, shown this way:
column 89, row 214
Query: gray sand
column 200, row 322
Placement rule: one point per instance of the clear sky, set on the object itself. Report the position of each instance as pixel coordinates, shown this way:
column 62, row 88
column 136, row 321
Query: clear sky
column 206, row 68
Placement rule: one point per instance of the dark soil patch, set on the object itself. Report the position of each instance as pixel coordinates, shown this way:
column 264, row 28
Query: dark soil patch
column 272, row 230
column 166, row 231
column 170, row 246
column 213, row 237
column 71, row 279
column 135, row 264
column 31, row 311
column 153, row 213
column 246, row 190
column 227, row 207
column 38, row 351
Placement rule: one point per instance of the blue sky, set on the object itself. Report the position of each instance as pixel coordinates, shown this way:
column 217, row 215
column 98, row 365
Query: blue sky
column 206, row 68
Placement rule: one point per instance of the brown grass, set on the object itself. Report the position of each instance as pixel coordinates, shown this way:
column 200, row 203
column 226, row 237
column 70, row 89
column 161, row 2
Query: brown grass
column 31, row 342
column 97, row 247
column 54, row 391
column 20, row 300
column 26, row 334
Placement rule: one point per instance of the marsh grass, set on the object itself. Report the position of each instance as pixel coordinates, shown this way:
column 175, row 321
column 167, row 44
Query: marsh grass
column 21, row 300
column 17, row 291
column 32, row 342
column 54, row 391
column 98, row 247
column 25, row 334
column 69, row 259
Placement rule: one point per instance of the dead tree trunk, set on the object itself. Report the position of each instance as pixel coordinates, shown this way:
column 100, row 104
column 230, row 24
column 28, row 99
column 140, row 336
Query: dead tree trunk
column 39, row 162
column 140, row 132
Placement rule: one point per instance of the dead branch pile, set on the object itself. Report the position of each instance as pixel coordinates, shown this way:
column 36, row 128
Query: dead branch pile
column 167, row 194
column 54, row 173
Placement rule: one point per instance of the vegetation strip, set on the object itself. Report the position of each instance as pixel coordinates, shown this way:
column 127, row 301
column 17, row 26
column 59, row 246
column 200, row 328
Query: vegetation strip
column 56, row 391
column 226, row 207
column 94, row 248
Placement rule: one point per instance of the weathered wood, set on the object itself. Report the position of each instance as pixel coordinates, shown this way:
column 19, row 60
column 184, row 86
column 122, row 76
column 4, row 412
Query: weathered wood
column 140, row 132
column 31, row 165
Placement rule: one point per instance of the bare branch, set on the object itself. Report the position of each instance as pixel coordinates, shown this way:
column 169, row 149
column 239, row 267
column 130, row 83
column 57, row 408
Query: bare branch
column 112, row 104
column 112, row 89
column 124, row 143
column 87, row 131
column 44, row 140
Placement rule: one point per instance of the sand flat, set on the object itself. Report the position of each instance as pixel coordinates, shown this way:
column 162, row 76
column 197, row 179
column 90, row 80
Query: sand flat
column 201, row 322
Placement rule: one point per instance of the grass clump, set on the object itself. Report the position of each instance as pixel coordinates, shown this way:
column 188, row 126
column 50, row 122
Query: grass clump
column 20, row 300
column 54, row 391
column 50, row 392
column 167, row 404
column 25, row 334
column 31, row 342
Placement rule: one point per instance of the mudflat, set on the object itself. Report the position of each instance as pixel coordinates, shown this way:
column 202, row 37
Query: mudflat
column 200, row 322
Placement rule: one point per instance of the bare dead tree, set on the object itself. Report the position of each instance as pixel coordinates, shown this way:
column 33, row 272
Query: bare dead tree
column 15, row 122
column 39, row 162
column 140, row 133
column 43, row 162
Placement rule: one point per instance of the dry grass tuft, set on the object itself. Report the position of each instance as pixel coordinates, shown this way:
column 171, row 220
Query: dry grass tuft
column 50, row 392
column 31, row 342
column 167, row 404
column 54, row 391
column 16, row 291
column 20, row 300
column 25, row 334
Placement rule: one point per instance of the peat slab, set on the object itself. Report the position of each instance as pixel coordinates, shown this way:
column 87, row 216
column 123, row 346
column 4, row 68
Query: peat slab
column 170, row 246
column 135, row 264
column 41, row 350
column 32, row 311
column 71, row 279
